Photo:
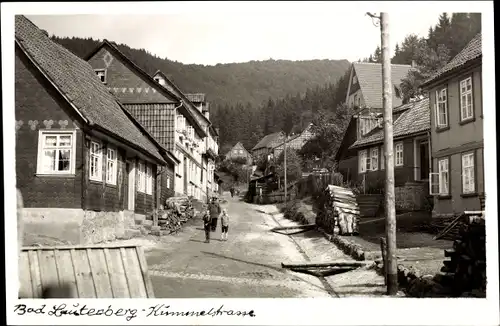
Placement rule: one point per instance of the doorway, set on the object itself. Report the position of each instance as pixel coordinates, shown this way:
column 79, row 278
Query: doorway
column 424, row 160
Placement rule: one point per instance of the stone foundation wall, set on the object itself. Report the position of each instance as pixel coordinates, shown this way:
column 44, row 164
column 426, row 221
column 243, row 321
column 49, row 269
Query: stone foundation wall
column 75, row 226
column 412, row 197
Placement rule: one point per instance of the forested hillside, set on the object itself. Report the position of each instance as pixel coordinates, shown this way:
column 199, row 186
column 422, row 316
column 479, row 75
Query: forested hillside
column 250, row 100
column 250, row 82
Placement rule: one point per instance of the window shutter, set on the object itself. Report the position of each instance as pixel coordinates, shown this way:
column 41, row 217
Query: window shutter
column 433, row 184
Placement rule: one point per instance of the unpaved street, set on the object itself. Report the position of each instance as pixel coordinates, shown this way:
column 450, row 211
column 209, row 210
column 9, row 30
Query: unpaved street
column 248, row 265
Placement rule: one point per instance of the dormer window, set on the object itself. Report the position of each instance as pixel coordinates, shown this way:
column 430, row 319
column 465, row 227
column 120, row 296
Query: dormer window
column 157, row 79
column 101, row 74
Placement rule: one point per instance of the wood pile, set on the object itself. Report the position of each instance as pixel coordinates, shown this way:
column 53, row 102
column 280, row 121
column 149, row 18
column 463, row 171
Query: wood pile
column 465, row 272
column 177, row 210
column 341, row 211
column 447, row 228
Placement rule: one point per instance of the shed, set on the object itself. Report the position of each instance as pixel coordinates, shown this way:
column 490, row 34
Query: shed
column 97, row 271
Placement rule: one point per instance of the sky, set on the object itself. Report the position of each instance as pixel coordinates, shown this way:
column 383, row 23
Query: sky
column 238, row 36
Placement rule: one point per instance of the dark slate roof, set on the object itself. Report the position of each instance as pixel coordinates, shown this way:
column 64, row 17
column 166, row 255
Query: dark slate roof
column 264, row 142
column 415, row 120
column 77, row 81
column 370, row 81
column 472, row 50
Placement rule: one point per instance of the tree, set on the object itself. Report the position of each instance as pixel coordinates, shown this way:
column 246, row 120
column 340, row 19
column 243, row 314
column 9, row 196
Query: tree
column 293, row 165
column 328, row 128
column 377, row 56
column 428, row 62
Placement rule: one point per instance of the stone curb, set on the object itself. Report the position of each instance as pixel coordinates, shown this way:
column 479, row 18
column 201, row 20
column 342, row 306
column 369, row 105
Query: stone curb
column 409, row 279
column 349, row 248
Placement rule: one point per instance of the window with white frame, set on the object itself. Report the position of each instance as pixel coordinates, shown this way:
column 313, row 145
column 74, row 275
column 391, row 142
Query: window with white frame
column 441, row 108
column 168, row 182
column 111, row 166
column 56, row 152
column 149, row 179
column 363, row 158
column 141, row 177
column 95, row 161
column 444, row 176
column 399, row 155
column 101, row 74
column 466, row 105
column 374, row 158
column 382, row 158
column 468, row 182
column 181, row 123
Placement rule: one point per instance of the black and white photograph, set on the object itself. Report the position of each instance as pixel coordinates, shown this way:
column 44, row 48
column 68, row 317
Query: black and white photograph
column 250, row 150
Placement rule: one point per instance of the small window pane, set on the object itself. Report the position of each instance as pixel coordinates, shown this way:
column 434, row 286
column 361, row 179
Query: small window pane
column 50, row 140
column 64, row 160
column 64, row 140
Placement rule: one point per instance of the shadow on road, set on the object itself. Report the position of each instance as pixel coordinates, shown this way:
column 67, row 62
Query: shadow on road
column 280, row 270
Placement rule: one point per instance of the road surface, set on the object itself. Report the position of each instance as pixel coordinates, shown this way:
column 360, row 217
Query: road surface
column 248, row 264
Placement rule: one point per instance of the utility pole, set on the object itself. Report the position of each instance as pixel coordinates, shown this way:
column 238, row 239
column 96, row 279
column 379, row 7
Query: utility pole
column 390, row 209
column 284, row 149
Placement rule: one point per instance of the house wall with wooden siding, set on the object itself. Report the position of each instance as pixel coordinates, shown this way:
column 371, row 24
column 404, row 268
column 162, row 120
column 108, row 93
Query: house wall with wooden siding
column 124, row 83
column 348, row 158
column 36, row 102
column 402, row 174
column 458, row 139
column 167, row 188
column 103, row 196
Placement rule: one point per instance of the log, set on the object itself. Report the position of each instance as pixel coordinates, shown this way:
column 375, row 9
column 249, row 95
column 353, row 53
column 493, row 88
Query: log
column 342, row 205
column 293, row 227
column 331, row 264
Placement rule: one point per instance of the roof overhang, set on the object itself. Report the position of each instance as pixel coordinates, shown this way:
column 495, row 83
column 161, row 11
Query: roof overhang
column 430, row 83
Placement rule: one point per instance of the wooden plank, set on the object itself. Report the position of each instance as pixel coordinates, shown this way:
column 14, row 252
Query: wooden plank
column 36, row 281
column 136, row 285
column 448, row 228
column 340, row 263
column 26, row 287
column 91, row 246
column 65, row 269
column 97, row 262
column 145, row 273
column 48, row 268
column 83, row 275
column 350, row 211
column 118, row 279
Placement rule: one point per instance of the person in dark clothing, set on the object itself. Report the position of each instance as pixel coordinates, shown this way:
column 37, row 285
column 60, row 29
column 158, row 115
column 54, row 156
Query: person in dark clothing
column 207, row 225
column 215, row 211
column 231, row 190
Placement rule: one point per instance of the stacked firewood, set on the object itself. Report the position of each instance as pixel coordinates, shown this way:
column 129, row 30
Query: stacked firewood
column 177, row 211
column 466, row 270
column 340, row 211
column 447, row 228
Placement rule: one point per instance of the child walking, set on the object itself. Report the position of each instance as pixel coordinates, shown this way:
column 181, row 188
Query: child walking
column 224, row 225
column 207, row 225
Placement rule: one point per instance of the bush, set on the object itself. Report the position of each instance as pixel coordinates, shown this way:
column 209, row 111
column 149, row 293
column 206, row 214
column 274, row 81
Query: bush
column 239, row 160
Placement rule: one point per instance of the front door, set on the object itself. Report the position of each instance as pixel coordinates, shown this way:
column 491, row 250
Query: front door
column 185, row 176
column 424, row 160
column 131, row 185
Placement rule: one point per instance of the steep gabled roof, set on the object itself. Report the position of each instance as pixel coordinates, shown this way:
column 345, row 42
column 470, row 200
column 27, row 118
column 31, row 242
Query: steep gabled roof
column 264, row 142
column 236, row 145
column 415, row 120
column 76, row 81
column 196, row 97
column 176, row 99
column 472, row 51
column 194, row 111
column 369, row 77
